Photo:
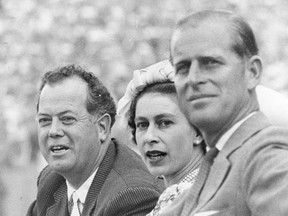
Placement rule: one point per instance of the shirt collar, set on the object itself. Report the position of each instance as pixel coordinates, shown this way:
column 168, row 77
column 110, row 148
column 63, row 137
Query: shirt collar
column 82, row 190
column 224, row 138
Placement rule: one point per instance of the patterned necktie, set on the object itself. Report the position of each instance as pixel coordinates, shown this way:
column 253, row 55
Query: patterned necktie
column 74, row 205
column 200, row 180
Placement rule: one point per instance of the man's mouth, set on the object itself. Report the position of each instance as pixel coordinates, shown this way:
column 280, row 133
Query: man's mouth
column 59, row 148
column 155, row 155
column 200, row 96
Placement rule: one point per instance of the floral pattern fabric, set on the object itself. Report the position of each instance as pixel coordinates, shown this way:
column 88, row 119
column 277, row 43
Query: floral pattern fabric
column 173, row 191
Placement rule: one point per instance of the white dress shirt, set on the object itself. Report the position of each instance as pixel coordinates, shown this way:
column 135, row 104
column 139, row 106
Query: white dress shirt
column 82, row 190
column 224, row 138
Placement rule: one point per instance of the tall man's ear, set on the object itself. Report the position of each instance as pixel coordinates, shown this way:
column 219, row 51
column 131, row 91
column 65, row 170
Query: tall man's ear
column 254, row 68
column 104, row 125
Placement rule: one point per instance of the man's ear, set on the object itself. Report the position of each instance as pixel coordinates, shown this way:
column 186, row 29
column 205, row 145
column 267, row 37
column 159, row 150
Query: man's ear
column 254, row 69
column 104, row 125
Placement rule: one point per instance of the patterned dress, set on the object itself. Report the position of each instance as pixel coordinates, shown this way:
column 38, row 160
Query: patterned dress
column 173, row 191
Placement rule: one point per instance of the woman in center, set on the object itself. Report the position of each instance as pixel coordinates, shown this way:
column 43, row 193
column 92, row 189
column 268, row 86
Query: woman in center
column 170, row 147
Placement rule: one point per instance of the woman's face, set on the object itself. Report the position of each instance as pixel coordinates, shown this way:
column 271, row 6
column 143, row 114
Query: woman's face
column 163, row 135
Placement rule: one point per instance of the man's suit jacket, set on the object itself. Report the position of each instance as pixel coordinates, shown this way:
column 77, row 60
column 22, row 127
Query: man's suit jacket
column 249, row 175
column 121, row 186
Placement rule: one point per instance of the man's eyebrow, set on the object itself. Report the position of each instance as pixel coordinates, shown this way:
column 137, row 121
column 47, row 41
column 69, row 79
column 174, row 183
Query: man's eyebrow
column 43, row 114
column 163, row 115
column 65, row 112
column 202, row 56
column 184, row 61
column 212, row 55
column 60, row 113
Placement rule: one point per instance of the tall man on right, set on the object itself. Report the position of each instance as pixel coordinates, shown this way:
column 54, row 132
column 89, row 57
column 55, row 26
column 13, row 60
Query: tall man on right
column 217, row 67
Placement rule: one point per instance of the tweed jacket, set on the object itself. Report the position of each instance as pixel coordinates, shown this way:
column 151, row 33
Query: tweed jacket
column 249, row 175
column 121, row 186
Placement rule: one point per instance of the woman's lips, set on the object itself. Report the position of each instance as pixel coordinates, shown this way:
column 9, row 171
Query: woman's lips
column 155, row 155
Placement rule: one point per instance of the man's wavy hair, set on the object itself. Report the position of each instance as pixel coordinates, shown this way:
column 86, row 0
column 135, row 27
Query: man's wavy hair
column 98, row 98
column 244, row 42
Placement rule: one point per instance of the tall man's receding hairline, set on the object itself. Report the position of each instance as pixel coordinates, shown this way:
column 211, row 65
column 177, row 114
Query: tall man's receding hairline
column 244, row 44
column 197, row 19
column 187, row 26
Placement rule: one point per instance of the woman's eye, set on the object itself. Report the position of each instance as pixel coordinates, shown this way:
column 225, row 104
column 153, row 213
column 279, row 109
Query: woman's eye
column 142, row 125
column 165, row 123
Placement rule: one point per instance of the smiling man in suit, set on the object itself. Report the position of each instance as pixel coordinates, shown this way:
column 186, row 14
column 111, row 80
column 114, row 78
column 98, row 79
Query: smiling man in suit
column 217, row 68
column 88, row 173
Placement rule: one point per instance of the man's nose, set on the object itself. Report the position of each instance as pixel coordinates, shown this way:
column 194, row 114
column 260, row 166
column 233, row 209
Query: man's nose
column 56, row 128
column 195, row 75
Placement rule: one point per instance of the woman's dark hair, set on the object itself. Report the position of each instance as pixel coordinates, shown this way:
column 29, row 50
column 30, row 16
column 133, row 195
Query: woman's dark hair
column 167, row 88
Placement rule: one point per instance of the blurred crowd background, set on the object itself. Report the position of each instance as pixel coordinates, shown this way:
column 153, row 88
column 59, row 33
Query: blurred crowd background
column 110, row 38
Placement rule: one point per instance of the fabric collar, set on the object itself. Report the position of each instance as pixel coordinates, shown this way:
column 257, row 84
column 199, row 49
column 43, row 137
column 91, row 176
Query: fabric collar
column 224, row 138
column 82, row 190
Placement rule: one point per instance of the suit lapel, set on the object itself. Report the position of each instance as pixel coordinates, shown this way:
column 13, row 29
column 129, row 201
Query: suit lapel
column 222, row 165
column 216, row 176
column 46, row 193
column 99, row 179
column 60, row 207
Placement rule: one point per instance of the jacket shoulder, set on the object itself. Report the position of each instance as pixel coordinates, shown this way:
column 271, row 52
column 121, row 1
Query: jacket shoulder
column 129, row 187
column 129, row 167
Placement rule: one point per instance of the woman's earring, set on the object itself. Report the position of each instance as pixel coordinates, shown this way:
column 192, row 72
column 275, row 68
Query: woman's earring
column 198, row 139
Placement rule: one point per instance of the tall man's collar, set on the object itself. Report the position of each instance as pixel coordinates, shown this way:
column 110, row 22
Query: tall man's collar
column 224, row 138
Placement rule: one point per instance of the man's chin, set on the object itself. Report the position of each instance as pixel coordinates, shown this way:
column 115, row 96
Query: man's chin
column 61, row 167
column 202, row 119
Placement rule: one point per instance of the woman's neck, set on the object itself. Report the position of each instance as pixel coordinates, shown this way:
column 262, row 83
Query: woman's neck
column 181, row 174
